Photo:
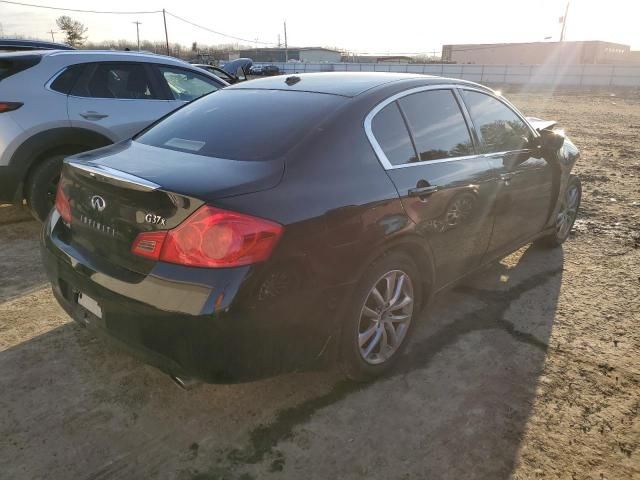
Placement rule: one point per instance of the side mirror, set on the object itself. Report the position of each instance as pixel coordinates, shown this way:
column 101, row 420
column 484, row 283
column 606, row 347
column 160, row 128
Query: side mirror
column 551, row 141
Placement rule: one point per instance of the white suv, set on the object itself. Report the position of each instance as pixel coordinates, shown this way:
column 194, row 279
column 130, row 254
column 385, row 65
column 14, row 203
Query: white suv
column 57, row 103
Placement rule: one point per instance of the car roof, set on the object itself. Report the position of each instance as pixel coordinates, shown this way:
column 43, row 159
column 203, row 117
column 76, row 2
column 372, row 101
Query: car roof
column 32, row 45
column 347, row 84
column 113, row 55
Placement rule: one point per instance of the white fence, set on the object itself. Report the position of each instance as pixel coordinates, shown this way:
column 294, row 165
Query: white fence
column 555, row 75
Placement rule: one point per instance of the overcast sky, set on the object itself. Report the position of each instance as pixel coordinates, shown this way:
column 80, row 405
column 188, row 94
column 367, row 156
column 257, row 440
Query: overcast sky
column 372, row 26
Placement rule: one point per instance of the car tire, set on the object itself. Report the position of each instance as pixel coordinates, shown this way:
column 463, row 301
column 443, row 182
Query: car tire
column 566, row 216
column 41, row 186
column 368, row 313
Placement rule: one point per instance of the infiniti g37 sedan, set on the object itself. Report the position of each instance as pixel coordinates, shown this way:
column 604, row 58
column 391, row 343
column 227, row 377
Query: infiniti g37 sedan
column 225, row 247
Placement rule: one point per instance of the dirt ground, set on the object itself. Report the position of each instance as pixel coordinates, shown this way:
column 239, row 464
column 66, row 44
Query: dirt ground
column 529, row 370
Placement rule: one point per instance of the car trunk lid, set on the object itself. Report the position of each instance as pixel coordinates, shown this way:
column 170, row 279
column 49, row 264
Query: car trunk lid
column 118, row 192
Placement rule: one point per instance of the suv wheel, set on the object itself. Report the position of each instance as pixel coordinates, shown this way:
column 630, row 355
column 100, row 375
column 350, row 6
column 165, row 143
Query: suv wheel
column 42, row 185
column 380, row 318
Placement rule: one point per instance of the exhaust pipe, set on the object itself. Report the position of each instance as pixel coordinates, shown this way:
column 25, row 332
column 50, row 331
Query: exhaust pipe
column 184, row 383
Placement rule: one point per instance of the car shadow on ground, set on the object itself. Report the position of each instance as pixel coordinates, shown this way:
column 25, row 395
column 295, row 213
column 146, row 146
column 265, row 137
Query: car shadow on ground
column 21, row 271
column 456, row 406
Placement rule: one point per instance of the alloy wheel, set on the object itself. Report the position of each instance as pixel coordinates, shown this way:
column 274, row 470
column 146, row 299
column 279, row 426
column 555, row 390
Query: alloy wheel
column 385, row 317
column 568, row 211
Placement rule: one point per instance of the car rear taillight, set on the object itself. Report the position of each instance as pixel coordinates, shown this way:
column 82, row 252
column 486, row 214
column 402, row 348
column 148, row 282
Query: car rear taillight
column 9, row 106
column 212, row 237
column 62, row 204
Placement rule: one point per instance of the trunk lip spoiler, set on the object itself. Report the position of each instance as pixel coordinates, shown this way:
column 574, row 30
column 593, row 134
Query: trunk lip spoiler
column 111, row 175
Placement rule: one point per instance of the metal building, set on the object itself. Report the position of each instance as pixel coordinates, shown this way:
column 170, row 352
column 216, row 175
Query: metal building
column 587, row 52
column 279, row 55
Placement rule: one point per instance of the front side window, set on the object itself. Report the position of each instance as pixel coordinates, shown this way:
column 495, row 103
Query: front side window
column 186, row 85
column 392, row 135
column 438, row 127
column 501, row 129
column 119, row 80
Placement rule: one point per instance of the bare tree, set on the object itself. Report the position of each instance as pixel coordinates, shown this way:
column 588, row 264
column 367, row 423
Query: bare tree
column 73, row 29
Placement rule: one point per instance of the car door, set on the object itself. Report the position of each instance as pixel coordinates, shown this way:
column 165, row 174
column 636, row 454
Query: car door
column 524, row 198
column 182, row 85
column 424, row 141
column 117, row 99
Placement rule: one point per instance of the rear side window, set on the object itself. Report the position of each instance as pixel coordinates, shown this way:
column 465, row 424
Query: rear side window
column 65, row 82
column 118, row 80
column 187, row 85
column 12, row 64
column 438, row 127
column 501, row 129
column 242, row 124
column 392, row 135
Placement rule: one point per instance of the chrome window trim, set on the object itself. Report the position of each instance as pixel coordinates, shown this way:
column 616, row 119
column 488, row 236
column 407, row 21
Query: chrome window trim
column 47, row 85
column 374, row 142
column 505, row 102
column 124, row 99
column 387, row 165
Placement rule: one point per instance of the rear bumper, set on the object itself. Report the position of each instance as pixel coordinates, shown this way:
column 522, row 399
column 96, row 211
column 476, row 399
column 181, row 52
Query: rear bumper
column 210, row 326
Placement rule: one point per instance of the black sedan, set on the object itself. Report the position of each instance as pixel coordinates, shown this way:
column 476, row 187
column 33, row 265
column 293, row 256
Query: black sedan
column 225, row 247
column 270, row 70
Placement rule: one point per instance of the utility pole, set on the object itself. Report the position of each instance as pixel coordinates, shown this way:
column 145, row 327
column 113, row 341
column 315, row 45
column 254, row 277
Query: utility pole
column 279, row 44
column 138, row 32
column 564, row 22
column 52, row 37
column 166, row 35
column 286, row 46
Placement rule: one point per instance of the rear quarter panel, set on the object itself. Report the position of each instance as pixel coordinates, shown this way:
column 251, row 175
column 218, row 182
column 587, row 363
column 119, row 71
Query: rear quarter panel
column 43, row 109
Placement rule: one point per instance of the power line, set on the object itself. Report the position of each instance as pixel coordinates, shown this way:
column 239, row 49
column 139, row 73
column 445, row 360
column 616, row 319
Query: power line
column 23, row 4
column 77, row 10
column 216, row 32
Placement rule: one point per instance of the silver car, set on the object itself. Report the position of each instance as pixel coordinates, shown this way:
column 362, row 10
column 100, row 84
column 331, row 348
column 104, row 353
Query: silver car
column 58, row 103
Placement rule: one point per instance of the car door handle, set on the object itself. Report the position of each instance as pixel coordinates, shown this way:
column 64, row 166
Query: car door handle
column 91, row 115
column 423, row 191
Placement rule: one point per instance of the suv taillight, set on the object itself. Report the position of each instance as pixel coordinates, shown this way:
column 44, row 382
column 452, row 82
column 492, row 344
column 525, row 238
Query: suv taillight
column 9, row 106
column 62, row 204
column 211, row 237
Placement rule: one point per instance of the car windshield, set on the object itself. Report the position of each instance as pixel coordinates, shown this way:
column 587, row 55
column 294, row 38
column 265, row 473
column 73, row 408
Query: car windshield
column 242, row 124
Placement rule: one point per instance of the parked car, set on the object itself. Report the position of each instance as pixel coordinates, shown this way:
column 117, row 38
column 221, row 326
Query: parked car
column 239, row 67
column 11, row 45
column 223, row 246
column 256, row 70
column 56, row 103
column 231, row 72
column 268, row 70
column 218, row 72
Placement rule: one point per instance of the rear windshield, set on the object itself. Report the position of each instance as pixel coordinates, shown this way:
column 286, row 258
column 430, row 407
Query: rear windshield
column 12, row 64
column 242, row 124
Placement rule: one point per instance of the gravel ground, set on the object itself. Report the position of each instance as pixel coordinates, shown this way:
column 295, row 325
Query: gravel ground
column 530, row 369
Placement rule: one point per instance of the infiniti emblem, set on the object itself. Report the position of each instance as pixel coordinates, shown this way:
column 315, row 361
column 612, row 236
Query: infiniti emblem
column 98, row 203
